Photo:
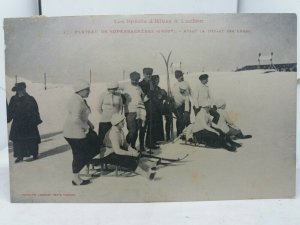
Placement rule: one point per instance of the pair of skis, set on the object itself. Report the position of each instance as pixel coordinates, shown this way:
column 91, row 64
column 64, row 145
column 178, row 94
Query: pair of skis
column 170, row 160
column 169, row 93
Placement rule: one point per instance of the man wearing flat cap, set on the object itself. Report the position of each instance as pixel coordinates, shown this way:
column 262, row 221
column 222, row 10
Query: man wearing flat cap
column 133, row 104
column 147, row 87
column 182, row 110
column 180, row 78
column 24, row 113
column 182, row 107
column 203, row 95
column 109, row 103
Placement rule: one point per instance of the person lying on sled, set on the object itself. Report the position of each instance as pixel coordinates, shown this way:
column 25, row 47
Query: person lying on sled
column 226, row 124
column 117, row 151
column 204, row 132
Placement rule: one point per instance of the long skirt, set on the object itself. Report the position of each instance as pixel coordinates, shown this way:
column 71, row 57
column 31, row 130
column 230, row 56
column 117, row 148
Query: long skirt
column 83, row 151
column 26, row 148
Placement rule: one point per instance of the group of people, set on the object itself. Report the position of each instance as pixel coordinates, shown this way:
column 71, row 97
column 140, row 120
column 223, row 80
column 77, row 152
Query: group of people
column 110, row 142
column 142, row 105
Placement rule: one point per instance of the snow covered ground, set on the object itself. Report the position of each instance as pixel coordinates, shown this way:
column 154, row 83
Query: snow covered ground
column 263, row 105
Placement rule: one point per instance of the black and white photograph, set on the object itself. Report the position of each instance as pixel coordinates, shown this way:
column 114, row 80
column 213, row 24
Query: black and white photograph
column 151, row 108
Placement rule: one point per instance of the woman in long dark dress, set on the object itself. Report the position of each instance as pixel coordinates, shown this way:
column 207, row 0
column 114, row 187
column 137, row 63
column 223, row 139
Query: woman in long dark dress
column 24, row 113
column 155, row 132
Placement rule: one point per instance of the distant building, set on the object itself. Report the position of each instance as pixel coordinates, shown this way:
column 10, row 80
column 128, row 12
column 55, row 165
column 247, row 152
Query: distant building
column 288, row 67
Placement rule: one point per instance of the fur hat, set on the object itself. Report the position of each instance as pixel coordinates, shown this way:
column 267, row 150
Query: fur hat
column 178, row 73
column 135, row 76
column 203, row 77
column 80, row 85
column 155, row 77
column 117, row 118
column 148, row 71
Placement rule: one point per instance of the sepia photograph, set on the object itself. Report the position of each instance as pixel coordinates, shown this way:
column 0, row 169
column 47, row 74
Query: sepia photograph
column 151, row 108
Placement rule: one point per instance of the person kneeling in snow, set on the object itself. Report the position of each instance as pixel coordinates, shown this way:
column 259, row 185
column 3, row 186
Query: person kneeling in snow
column 117, row 151
column 226, row 124
column 203, row 132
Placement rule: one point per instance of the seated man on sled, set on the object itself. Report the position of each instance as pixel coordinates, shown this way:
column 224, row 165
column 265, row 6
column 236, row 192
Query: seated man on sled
column 117, row 151
column 226, row 124
column 203, row 131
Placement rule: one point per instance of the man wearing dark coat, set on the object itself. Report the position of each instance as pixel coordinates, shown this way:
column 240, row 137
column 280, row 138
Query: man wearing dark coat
column 24, row 113
column 147, row 88
column 157, row 97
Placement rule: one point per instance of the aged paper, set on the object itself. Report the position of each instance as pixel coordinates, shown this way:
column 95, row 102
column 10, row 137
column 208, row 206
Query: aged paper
column 250, row 60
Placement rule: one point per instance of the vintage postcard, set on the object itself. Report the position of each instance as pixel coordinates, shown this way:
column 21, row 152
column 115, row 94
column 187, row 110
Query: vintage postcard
column 151, row 108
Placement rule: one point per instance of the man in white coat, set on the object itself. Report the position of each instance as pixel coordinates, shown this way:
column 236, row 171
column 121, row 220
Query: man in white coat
column 133, row 106
column 202, row 95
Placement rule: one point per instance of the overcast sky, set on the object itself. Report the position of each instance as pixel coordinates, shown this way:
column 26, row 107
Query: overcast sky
column 66, row 48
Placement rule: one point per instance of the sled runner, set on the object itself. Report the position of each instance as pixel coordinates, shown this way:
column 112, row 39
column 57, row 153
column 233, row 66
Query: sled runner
column 164, row 159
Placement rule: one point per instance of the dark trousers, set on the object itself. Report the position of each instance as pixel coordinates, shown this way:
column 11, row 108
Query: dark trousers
column 103, row 128
column 134, row 127
column 181, row 121
column 213, row 112
column 125, row 161
column 83, row 150
column 168, row 119
column 209, row 138
column 26, row 148
column 234, row 132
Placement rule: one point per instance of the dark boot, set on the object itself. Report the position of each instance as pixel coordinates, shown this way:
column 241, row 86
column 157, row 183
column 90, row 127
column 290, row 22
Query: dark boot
column 18, row 160
column 229, row 148
column 231, row 142
column 242, row 136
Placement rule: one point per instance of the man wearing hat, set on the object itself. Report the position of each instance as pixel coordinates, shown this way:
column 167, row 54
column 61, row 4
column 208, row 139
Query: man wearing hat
column 147, row 86
column 182, row 107
column 203, row 95
column 133, row 105
column 180, row 78
column 24, row 113
column 110, row 102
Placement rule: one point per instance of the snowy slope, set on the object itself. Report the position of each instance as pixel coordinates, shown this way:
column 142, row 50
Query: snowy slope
column 263, row 105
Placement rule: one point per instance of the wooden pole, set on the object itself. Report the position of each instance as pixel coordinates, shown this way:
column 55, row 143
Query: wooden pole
column 16, row 78
column 90, row 76
column 169, row 89
column 45, row 80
